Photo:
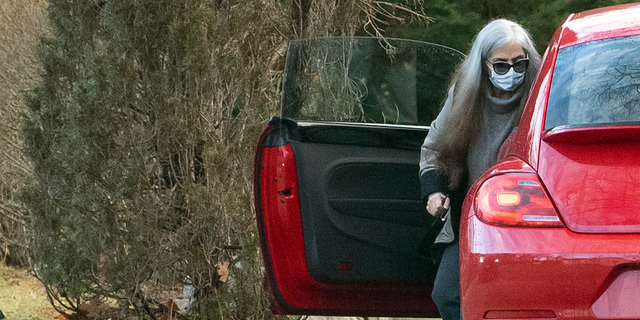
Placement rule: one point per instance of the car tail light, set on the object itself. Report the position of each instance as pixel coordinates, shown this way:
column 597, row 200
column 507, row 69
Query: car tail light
column 516, row 199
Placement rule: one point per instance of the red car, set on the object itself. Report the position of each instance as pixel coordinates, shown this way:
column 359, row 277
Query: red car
column 553, row 230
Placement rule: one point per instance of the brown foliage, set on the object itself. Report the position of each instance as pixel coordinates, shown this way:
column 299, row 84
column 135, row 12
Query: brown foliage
column 21, row 24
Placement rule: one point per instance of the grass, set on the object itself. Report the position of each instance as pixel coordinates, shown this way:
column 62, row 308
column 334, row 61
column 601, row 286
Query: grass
column 22, row 296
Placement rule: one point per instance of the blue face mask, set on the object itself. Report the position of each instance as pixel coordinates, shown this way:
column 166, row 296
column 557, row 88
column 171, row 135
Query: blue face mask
column 508, row 81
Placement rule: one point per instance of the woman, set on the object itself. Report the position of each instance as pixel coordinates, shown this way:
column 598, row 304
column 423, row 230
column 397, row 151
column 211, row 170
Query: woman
column 484, row 105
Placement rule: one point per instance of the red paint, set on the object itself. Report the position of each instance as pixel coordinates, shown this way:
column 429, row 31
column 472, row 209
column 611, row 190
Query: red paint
column 527, row 139
column 345, row 266
column 520, row 314
column 596, row 187
column 603, row 23
column 592, row 135
column 620, row 300
column 537, row 268
column 281, row 220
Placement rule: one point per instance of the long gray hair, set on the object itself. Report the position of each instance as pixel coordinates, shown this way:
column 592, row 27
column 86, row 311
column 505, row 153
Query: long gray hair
column 469, row 85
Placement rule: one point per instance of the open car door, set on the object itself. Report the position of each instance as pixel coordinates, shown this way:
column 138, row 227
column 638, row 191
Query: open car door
column 337, row 189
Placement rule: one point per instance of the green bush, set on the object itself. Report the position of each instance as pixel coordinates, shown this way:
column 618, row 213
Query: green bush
column 21, row 25
column 142, row 135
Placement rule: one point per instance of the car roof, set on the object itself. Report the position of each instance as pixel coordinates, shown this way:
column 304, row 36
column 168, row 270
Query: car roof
column 602, row 23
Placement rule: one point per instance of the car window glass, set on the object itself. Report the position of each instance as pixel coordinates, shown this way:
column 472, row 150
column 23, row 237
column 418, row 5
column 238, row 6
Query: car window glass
column 596, row 83
column 355, row 79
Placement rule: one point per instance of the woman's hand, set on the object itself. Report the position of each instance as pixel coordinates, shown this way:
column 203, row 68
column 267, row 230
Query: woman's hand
column 438, row 204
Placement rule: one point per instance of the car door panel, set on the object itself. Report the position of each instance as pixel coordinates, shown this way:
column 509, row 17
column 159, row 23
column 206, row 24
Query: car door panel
column 361, row 206
column 357, row 212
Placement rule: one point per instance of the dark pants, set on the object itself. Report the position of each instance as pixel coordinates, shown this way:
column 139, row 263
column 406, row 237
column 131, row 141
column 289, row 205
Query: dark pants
column 446, row 289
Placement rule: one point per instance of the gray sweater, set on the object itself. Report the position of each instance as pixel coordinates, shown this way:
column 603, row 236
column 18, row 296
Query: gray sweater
column 498, row 121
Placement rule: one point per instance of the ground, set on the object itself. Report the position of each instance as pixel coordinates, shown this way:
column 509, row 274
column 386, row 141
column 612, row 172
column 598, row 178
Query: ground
column 23, row 297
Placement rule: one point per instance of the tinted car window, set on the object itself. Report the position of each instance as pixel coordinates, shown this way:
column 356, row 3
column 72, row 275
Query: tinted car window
column 595, row 84
column 355, row 79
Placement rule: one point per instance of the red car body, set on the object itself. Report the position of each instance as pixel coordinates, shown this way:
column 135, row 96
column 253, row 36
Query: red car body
column 572, row 250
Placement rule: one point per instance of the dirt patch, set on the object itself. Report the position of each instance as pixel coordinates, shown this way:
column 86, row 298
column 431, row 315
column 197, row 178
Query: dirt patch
column 22, row 296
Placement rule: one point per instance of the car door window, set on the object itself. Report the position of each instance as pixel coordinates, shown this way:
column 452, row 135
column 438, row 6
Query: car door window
column 359, row 80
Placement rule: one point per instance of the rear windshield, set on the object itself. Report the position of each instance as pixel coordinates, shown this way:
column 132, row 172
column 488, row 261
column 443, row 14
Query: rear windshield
column 357, row 79
column 596, row 84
